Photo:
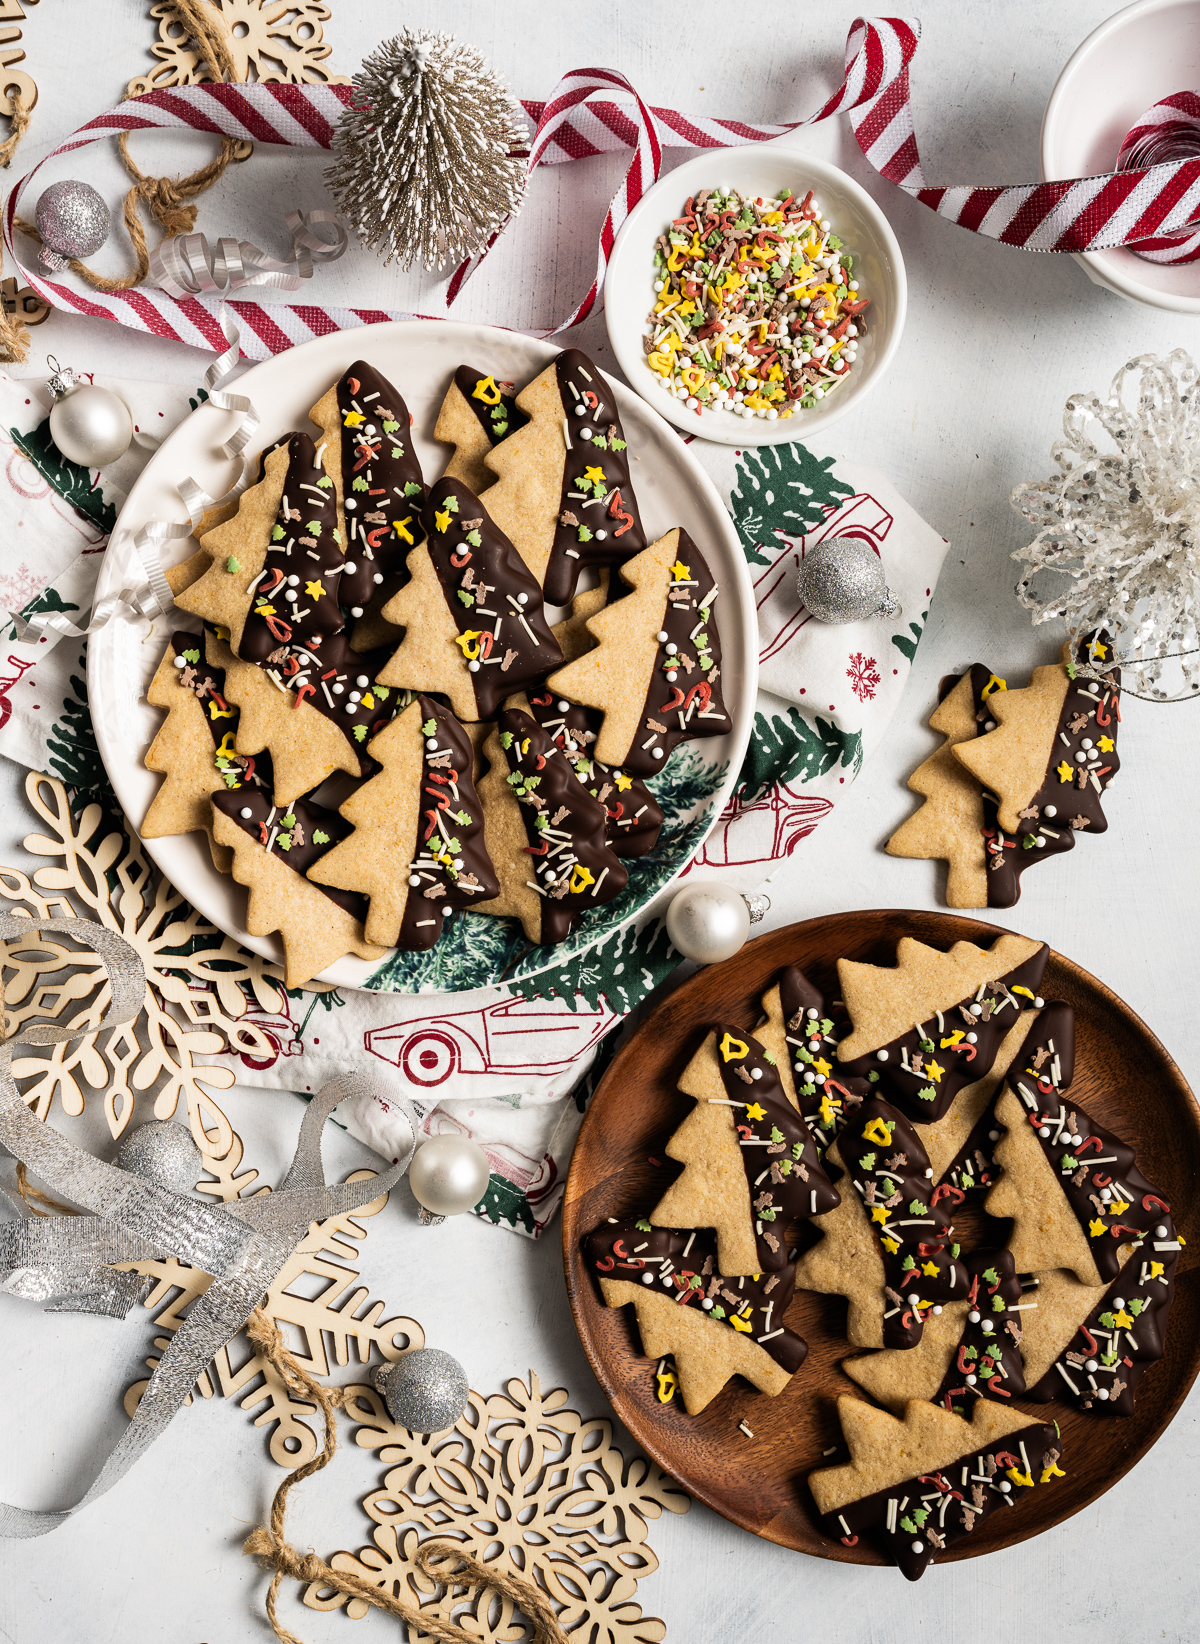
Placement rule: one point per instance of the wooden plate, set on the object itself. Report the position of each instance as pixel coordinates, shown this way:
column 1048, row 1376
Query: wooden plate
column 1123, row 1077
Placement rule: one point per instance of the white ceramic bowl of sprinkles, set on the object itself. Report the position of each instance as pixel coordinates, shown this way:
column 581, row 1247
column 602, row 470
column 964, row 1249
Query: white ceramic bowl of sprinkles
column 759, row 170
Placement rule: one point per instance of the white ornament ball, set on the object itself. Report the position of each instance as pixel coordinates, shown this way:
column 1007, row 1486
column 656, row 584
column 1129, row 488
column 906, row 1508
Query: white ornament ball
column 841, row 580
column 91, row 426
column 449, row 1175
column 708, row 922
column 163, row 1152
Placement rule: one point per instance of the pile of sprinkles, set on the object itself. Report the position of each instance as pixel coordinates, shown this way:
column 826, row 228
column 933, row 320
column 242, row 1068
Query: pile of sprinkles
column 756, row 307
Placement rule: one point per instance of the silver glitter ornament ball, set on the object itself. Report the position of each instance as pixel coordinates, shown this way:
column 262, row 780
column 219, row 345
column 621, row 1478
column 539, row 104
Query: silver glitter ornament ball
column 425, row 1391
column 841, row 580
column 163, row 1152
column 72, row 220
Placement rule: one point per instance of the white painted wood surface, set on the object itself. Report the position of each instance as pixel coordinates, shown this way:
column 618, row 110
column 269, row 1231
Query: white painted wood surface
column 996, row 340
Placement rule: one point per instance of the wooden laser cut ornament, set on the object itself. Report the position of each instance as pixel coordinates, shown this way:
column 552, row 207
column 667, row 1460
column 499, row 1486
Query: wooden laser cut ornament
column 525, row 1485
column 280, row 41
column 334, row 1316
column 200, row 984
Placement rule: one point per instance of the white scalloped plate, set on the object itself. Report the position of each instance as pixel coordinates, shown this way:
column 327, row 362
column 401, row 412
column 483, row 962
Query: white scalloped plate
column 421, row 356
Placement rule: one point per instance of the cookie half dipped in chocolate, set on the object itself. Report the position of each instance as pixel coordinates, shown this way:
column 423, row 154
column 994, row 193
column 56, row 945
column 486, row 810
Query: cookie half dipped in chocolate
column 563, row 494
column 655, row 671
column 417, row 850
column 474, row 625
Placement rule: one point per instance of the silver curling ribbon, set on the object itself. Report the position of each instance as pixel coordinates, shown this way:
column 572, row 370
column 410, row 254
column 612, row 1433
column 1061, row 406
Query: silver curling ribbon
column 189, row 265
column 245, row 1244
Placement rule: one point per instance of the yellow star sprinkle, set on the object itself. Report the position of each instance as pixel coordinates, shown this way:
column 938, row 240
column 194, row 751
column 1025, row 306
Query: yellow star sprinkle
column 352, row 419
column 681, row 573
column 1123, row 1320
column 890, row 1245
column 442, row 520
column 624, row 783
column 1098, row 652
column 821, row 1066
column 1105, row 744
column 315, row 590
column 934, row 1072
column 879, row 1213
column 755, row 1111
column 596, row 475
column 1156, row 1269
column 1118, row 1207
column 1065, row 772
column 930, row 1269
column 400, row 527
column 1096, row 1229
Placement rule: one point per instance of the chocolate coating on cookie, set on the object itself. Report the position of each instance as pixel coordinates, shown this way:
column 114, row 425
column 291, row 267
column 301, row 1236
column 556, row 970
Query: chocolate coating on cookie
column 682, row 1263
column 494, row 600
column 382, row 484
column 598, row 522
column 493, row 403
column 570, row 865
column 295, row 601
column 634, row 815
column 298, row 835
column 783, row 1168
column 923, row 1070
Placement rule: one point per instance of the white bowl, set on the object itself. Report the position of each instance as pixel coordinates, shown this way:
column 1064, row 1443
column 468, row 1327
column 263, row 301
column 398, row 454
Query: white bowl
column 1139, row 56
column 759, row 168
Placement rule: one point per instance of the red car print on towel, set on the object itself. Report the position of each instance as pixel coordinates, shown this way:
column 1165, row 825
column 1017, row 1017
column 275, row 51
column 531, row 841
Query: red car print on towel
column 765, row 830
column 780, row 615
column 532, row 1036
column 6, row 684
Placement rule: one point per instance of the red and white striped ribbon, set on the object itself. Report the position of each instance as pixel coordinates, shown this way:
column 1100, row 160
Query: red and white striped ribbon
column 1149, row 208
column 1168, row 131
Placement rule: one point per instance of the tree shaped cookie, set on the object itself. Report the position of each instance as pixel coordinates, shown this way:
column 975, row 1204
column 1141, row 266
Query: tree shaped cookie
column 715, row 1327
column 948, row 1473
column 417, row 849
column 368, row 453
column 933, row 1023
column 544, row 833
column 802, row 1039
column 1073, row 1189
column 477, row 413
column 564, row 496
column 951, row 822
column 273, row 848
column 751, row 1166
column 655, row 671
column 889, row 1246
column 184, row 751
column 961, row 1145
column 307, row 738
column 968, row 1349
column 634, row 815
column 1052, row 755
column 475, row 628
column 1088, row 1345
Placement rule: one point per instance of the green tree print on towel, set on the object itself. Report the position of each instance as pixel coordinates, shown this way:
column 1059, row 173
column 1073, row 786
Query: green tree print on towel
column 781, row 488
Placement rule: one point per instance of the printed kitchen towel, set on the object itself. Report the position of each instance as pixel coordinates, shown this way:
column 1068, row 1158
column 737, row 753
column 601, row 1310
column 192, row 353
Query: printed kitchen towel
column 511, row 1067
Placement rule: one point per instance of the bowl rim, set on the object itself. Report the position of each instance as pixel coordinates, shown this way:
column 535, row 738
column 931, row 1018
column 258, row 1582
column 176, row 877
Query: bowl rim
column 744, row 431
column 1101, row 268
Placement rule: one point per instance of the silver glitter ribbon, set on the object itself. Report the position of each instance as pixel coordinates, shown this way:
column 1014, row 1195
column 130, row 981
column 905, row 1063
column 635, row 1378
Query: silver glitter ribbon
column 150, row 595
column 190, row 266
column 244, row 1244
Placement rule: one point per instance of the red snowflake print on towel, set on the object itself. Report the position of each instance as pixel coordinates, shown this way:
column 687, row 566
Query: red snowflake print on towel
column 863, row 676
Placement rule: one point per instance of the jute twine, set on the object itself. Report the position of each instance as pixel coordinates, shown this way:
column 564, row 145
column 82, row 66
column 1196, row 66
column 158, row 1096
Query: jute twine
column 166, row 199
column 33, row 1196
column 442, row 1560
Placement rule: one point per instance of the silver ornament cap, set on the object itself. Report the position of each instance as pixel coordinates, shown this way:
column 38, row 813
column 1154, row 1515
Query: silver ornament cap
column 426, row 1390
column 449, row 1175
column 163, row 1152
column 709, row 922
column 841, row 580
column 73, row 221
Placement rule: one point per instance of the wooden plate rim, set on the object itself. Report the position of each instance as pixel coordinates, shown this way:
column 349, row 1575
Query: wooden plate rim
column 580, row 1292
